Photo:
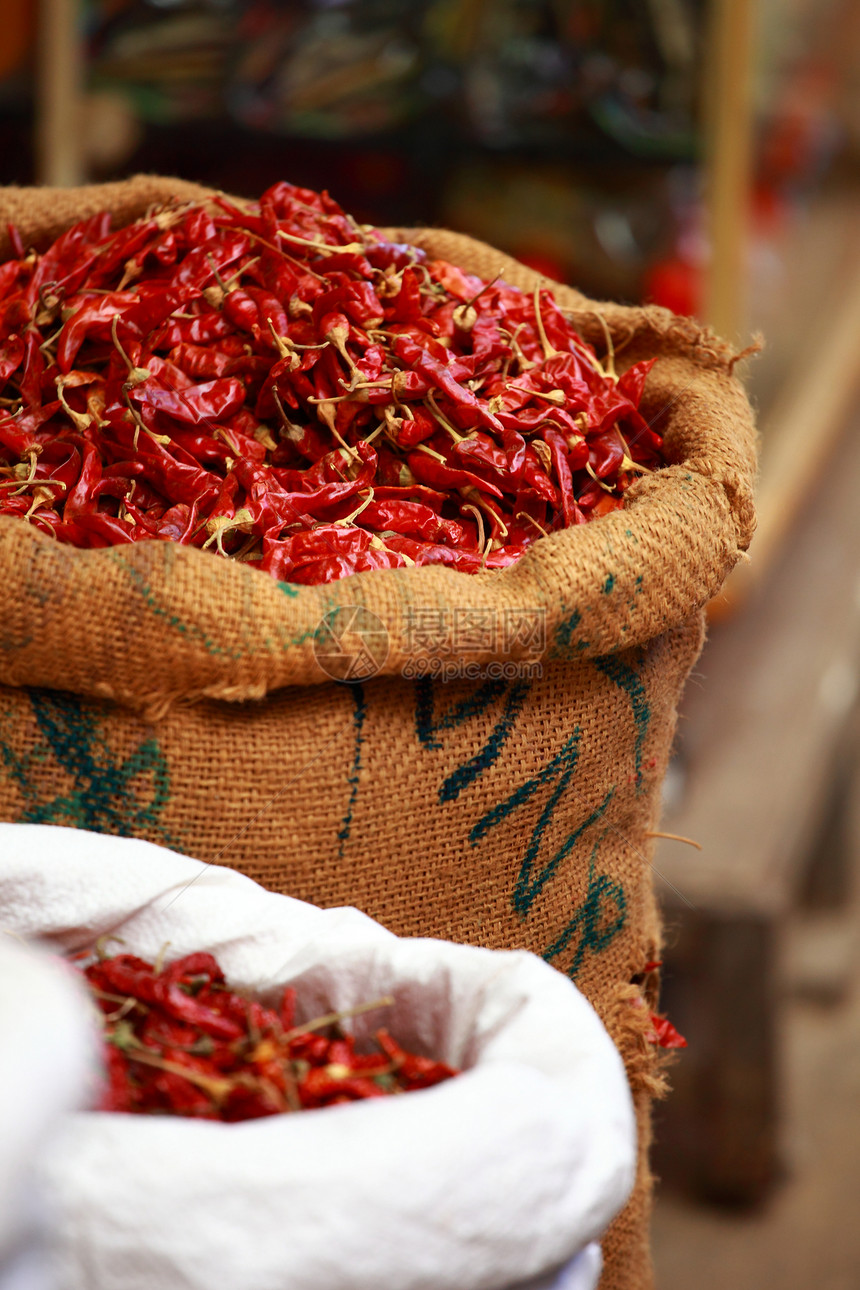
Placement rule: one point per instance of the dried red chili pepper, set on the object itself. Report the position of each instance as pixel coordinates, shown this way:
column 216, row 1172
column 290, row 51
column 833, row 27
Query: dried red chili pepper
column 211, row 402
column 665, row 1034
column 178, row 1041
column 247, row 376
column 435, row 471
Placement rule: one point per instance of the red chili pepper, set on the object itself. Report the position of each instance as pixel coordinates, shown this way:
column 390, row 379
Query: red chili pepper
column 241, row 310
column 213, row 401
column 665, row 1033
column 201, row 360
column 463, row 286
column 11, row 356
column 155, row 302
column 119, row 248
column 413, row 492
column 178, row 524
column 420, row 1072
column 407, row 305
column 481, row 450
column 15, row 239
column 30, row 384
column 17, row 436
column 117, row 1094
column 241, row 353
column 413, row 519
column 606, row 452
column 81, row 500
column 357, row 300
column 15, row 314
column 68, row 260
column 416, row 428
column 210, row 256
column 179, row 481
column 558, row 451
column 466, row 560
column 417, row 358
column 383, row 254
column 92, row 318
column 201, row 329
column 287, row 1010
column 438, row 474
column 165, row 249
column 272, row 315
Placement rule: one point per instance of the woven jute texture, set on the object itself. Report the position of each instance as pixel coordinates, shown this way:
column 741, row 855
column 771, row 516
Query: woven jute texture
column 494, row 776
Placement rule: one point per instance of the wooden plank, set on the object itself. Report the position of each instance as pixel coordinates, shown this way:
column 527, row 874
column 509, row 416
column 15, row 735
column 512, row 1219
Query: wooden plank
column 769, row 744
column 799, row 434
column 59, row 85
column 776, row 686
column 830, row 877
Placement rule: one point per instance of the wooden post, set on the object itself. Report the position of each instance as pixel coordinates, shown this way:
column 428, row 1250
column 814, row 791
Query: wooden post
column 717, row 1137
column 728, row 161
column 59, row 82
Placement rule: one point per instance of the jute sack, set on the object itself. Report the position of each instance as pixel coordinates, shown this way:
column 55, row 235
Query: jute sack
column 491, row 773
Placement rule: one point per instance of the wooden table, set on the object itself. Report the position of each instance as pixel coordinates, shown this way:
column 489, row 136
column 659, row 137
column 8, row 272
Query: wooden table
column 767, row 756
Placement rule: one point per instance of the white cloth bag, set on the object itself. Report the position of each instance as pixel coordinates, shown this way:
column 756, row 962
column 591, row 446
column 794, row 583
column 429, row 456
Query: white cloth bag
column 503, row 1177
column 48, row 1058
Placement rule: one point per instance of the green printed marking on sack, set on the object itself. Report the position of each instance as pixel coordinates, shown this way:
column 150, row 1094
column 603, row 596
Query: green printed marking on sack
column 125, row 798
column 595, row 922
column 563, row 646
column 630, row 682
column 428, row 726
column 558, row 771
column 560, row 768
column 358, row 717
column 191, row 630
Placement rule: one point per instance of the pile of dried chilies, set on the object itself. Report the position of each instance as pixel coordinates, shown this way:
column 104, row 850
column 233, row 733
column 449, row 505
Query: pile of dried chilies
column 283, row 385
column 177, row 1041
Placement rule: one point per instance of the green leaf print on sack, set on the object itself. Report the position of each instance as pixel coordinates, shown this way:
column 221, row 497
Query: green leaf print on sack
column 106, row 795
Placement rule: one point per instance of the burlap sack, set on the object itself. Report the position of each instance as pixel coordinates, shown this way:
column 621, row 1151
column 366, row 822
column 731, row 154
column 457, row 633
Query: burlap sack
column 504, row 799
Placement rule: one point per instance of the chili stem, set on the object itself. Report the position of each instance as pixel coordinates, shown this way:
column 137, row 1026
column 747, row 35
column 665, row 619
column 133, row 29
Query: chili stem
column 446, row 425
column 548, row 351
column 331, row 1018
column 468, row 506
column 521, row 515
column 610, row 349
column 218, row 1089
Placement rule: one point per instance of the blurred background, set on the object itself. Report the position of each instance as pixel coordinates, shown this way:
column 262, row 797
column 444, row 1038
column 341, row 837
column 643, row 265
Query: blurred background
column 704, row 156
